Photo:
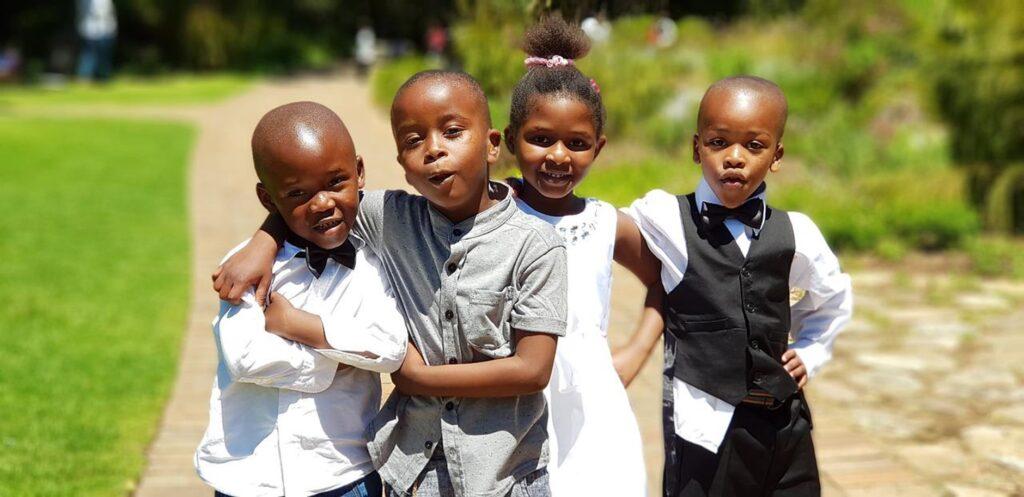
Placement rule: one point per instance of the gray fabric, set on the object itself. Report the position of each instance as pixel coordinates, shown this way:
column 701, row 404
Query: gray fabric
column 498, row 271
column 435, row 482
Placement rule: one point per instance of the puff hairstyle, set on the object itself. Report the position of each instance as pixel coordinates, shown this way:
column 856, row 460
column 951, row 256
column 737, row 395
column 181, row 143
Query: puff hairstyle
column 549, row 37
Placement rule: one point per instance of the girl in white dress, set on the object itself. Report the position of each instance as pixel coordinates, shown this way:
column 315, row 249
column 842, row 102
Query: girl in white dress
column 555, row 133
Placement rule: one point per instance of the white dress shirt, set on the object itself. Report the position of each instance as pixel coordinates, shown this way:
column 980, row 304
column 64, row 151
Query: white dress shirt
column 283, row 419
column 817, row 318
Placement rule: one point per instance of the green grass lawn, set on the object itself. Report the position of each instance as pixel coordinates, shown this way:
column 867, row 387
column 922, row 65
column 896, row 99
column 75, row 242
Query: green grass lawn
column 164, row 90
column 94, row 286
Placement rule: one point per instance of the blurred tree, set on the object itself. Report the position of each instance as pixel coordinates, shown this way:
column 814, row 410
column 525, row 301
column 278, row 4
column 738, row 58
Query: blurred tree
column 980, row 90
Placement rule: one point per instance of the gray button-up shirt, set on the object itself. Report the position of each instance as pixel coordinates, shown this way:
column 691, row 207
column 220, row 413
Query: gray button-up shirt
column 463, row 288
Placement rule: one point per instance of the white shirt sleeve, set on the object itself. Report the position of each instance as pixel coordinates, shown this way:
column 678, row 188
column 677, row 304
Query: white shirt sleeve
column 371, row 335
column 253, row 355
column 658, row 217
column 827, row 304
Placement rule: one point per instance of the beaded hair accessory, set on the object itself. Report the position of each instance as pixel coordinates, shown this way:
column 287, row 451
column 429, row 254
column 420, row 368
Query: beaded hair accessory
column 554, row 61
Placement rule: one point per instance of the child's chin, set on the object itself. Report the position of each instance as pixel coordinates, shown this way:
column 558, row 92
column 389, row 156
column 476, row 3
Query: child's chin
column 330, row 241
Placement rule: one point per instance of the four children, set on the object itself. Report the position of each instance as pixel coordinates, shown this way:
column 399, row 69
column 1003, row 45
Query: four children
column 486, row 283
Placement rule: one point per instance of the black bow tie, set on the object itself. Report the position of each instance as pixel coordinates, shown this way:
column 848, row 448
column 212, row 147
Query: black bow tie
column 316, row 257
column 751, row 213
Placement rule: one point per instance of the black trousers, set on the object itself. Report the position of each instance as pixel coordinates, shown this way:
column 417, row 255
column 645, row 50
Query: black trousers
column 766, row 453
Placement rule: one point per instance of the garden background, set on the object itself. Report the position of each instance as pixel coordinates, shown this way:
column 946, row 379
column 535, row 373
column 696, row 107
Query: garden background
column 905, row 144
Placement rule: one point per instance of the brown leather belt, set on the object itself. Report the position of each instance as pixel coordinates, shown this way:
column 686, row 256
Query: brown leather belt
column 761, row 398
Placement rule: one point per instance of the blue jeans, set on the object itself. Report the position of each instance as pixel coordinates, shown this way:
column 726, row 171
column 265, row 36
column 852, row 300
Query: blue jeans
column 95, row 60
column 369, row 486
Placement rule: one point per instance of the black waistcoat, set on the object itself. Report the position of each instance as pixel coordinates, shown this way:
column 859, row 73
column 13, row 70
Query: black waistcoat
column 730, row 314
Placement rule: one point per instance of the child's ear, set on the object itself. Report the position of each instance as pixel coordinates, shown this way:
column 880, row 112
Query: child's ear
column 696, row 149
column 493, row 146
column 359, row 172
column 777, row 159
column 265, row 199
column 600, row 145
column 510, row 144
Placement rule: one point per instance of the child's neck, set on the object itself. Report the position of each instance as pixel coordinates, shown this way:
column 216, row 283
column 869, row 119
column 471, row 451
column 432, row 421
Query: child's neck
column 460, row 213
column 562, row 206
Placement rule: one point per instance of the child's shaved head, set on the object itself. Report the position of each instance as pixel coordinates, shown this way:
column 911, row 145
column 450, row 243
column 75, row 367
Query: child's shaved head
column 298, row 128
column 461, row 80
column 759, row 91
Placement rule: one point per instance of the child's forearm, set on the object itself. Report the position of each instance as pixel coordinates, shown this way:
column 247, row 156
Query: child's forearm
column 526, row 372
column 302, row 327
column 274, row 227
column 629, row 360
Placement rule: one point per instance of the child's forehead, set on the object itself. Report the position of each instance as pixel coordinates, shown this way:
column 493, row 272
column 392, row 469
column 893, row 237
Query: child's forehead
column 742, row 109
column 436, row 97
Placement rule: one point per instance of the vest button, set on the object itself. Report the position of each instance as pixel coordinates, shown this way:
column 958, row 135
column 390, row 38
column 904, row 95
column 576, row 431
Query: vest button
column 451, row 268
column 758, row 378
column 450, row 405
column 428, row 444
column 756, row 345
column 453, row 360
column 457, row 232
column 751, row 307
column 449, row 314
column 745, row 273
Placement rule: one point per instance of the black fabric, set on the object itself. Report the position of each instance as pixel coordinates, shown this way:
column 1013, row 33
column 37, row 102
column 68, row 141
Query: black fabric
column 730, row 314
column 766, row 453
column 751, row 213
column 316, row 257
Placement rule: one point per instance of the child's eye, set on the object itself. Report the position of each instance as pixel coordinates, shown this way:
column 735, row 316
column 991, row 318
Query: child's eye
column 295, row 194
column 337, row 181
column 540, row 140
column 452, row 131
column 412, row 140
column 717, row 142
column 755, row 146
column 578, row 144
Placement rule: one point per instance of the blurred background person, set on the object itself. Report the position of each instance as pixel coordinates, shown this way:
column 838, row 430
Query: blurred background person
column 97, row 26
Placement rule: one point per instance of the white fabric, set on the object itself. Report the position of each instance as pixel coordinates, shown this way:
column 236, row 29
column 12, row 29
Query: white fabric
column 591, row 427
column 816, row 319
column 283, row 419
column 96, row 19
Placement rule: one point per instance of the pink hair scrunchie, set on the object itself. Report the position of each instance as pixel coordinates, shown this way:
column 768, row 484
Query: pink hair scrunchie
column 554, row 61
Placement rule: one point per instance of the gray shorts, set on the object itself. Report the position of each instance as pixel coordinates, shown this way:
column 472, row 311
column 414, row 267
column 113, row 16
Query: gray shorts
column 436, row 482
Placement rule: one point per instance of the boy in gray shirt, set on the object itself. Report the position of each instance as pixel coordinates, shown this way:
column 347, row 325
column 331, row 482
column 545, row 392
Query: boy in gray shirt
column 482, row 286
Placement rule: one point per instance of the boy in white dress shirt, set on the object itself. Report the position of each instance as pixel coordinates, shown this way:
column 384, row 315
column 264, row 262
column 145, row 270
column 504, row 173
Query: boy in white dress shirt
column 736, row 422
column 297, row 384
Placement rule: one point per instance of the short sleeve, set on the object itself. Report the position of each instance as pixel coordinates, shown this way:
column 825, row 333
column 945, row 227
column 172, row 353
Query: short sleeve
column 541, row 300
column 370, row 218
column 658, row 218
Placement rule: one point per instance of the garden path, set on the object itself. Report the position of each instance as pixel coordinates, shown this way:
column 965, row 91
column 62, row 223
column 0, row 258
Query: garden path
column 923, row 397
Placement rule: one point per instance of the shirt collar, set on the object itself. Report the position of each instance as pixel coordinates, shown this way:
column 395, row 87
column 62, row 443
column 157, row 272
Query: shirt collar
column 705, row 194
column 480, row 224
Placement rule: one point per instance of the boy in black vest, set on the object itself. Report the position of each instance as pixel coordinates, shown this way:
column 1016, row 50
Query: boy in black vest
column 736, row 422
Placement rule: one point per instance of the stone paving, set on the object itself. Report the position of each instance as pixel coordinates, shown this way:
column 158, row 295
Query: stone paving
column 924, row 396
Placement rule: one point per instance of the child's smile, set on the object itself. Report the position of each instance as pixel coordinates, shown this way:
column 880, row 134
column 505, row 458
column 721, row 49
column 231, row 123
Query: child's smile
column 555, row 147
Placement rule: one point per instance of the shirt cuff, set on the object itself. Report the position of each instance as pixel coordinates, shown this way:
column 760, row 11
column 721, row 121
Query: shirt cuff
column 539, row 324
column 814, row 355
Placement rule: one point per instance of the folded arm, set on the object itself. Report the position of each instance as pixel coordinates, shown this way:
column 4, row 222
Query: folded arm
column 251, row 355
column 525, row 372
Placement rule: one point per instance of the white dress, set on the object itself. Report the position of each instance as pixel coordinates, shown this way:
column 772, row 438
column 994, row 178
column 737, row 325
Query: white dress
column 594, row 440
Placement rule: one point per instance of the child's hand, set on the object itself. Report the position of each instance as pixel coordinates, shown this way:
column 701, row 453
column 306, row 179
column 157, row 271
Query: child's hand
column 277, row 314
column 795, row 367
column 249, row 267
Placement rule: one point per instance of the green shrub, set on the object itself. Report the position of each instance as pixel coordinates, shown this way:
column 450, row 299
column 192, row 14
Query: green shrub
column 997, row 256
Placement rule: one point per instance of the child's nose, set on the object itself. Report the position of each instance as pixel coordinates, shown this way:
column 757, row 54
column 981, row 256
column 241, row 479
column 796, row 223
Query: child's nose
column 322, row 202
column 734, row 158
column 434, row 151
column 558, row 154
